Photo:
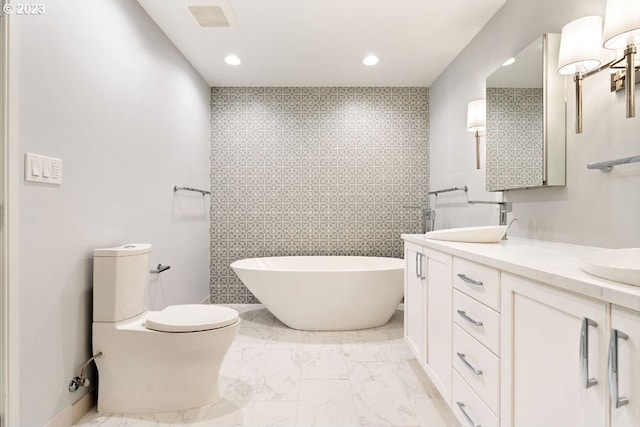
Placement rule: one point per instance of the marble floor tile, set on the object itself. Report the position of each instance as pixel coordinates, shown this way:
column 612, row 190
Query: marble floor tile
column 277, row 376
column 328, row 413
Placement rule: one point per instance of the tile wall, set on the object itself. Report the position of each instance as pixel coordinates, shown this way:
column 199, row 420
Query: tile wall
column 313, row 171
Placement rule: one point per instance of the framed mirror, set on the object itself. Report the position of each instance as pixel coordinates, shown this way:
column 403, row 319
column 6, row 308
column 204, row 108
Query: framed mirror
column 526, row 120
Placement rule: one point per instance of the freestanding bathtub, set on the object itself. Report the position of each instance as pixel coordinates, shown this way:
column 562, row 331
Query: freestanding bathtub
column 325, row 293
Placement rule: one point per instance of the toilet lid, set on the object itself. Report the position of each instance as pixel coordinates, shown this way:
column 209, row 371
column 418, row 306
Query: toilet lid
column 191, row 318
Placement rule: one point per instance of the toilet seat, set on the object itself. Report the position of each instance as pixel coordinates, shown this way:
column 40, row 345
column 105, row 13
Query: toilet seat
column 191, row 318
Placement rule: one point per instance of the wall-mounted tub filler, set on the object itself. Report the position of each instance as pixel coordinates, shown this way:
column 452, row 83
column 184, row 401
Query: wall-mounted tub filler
column 82, row 380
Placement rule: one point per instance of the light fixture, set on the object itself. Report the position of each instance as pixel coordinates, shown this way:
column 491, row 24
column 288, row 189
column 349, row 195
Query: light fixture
column 580, row 48
column 509, row 62
column 476, row 122
column 579, row 54
column 622, row 31
column 370, row 60
column 232, row 60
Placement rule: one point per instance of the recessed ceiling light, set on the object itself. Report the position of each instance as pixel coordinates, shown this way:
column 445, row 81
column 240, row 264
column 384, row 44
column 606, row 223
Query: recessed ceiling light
column 509, row 61
column 370, row 60
column 232, row 60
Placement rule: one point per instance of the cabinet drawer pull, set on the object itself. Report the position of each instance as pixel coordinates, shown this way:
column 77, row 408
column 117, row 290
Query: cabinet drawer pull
column 469, row 365
column 463, row 314
column 616, row 400
column 584, row 353
column 469, row 280
column 466, row 416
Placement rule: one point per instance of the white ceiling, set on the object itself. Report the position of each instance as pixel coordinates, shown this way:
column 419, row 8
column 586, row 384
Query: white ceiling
column 322, row 42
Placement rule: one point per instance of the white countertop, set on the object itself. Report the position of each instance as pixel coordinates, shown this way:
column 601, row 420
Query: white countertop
column 556, row 264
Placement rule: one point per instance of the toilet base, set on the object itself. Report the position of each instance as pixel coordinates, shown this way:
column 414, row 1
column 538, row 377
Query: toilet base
column 148, row 371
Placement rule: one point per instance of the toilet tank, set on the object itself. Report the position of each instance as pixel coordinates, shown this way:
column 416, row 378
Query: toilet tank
column 120, row 282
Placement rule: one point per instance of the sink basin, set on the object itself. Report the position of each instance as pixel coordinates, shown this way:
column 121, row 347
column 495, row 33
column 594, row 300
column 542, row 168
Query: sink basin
column 620, row 265
column 486, row 234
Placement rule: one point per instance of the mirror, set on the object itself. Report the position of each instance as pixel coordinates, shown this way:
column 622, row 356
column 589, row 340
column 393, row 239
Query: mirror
column 526, row 120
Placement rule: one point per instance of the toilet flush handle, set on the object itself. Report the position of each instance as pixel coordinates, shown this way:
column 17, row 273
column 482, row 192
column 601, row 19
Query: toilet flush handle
column 160, row 268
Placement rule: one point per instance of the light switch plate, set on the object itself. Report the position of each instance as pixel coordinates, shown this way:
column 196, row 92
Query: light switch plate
column 45, row 170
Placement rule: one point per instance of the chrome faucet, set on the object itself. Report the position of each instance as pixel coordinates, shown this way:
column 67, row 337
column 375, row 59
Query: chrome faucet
column 428, row 216
column 505, row 207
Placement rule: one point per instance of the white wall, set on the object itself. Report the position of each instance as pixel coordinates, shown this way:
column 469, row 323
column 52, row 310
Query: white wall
column 594, row 208
column 101, row 88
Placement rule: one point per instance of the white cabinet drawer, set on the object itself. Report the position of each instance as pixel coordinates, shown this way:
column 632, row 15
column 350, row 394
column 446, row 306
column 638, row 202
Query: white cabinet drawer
column 478, row 320
column 478, row 366
column 468, row 407
column 478, row 281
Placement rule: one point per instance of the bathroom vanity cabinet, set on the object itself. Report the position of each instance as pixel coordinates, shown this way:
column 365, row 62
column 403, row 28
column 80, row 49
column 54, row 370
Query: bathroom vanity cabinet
column 533, row 339
column 428, row 291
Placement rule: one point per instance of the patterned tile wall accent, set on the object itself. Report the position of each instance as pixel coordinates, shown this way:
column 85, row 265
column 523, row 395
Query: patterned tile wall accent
column 514, row 138
column 313, row 171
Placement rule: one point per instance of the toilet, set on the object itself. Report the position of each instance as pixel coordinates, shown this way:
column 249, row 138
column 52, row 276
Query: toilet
column 153, row 361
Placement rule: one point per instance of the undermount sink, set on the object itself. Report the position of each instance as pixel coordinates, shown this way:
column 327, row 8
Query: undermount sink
column 620, row 265
column 485, row 234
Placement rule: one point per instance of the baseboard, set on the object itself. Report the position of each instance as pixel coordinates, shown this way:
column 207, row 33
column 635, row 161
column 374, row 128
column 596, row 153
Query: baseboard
column 72, row 413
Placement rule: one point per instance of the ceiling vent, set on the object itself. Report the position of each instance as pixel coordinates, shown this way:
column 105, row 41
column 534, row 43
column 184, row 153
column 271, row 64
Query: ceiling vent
column 210, row 16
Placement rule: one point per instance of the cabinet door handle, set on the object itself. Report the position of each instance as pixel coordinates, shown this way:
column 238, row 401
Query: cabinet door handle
column 463, row 357
column 417, row 255
column 464, row 315
column 616, row 400
column 469, row 280
column 466, row 416
column 584, row 353
column 422, row 276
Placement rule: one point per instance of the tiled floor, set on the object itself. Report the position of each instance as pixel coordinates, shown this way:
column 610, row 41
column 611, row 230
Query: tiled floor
column 276, row 376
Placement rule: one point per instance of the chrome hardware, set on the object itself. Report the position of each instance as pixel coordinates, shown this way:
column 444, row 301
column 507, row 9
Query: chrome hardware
column 82, row 380
column 616, row 400
column 428, row 216
column 203, row 192
column 584, row 353
column 466, row 416
column 422, row 276
column 469, row 365
column 417, row 272
column 608, row 165
column 446, row 190
column 77, row 382
column 469, row 280
column 505, row 207
column 160, row 268
column 463, row 314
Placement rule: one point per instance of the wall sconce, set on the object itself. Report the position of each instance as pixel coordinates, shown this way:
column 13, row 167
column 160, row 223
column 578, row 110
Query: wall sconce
column 477, row 122
column 580, row 49
column 580, row 55
column 622, row 31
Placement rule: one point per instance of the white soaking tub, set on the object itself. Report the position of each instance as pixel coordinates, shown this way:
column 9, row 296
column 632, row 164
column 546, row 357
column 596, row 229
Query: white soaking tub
column 325, row 293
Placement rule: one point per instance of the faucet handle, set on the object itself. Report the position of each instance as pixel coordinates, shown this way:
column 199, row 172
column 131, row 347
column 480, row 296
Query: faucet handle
column 511, row 223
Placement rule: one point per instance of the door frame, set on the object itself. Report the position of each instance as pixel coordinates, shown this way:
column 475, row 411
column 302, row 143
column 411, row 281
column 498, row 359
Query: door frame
column 9, row 238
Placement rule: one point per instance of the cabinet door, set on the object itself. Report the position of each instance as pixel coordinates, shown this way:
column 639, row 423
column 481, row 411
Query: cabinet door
column 414, row 295
column 548, row 346
column 625, row 350
column 438, row 362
